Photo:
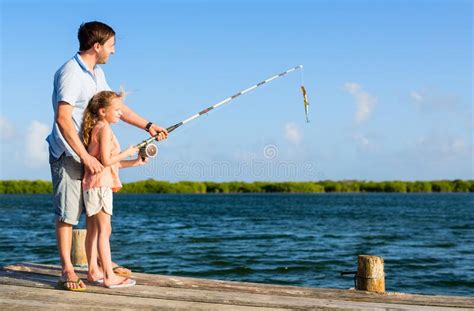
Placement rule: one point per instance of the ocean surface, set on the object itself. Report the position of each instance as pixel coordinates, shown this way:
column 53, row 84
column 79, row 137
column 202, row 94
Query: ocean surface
column 427, row 240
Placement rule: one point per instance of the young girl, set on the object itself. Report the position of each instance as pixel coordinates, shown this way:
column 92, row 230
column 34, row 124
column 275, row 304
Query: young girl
column 103, row 110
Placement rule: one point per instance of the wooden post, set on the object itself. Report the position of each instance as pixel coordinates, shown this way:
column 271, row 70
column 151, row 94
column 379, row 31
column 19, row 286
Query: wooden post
column 78, row 254
column 370, row 275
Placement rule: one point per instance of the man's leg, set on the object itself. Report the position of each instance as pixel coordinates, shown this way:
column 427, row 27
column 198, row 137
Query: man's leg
column 67, row 190
column 64, row 240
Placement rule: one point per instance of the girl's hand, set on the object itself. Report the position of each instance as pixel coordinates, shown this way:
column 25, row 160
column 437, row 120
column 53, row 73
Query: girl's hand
column 141, row 161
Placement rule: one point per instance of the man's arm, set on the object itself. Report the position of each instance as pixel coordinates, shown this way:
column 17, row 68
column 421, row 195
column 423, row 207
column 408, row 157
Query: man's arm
column 66, row 126
column 133, row 118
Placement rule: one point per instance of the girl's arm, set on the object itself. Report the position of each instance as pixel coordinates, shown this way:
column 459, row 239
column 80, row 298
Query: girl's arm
column 105, row 141
column 131, row 163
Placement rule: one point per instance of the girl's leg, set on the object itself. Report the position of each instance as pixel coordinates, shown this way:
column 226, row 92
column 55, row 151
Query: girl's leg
column 94, row 272
column 104, row 230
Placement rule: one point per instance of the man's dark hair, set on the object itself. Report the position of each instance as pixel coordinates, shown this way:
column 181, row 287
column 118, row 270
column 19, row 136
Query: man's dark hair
column 92, row 32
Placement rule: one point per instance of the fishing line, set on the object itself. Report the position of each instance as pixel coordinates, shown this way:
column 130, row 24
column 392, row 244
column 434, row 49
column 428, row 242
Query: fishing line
column 147, row 149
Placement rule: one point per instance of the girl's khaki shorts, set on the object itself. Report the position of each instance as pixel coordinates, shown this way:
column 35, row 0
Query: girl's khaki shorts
column 96, row 199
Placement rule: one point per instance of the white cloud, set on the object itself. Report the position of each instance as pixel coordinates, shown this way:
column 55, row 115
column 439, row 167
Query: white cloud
column 362, row 140
column 365, row 102
column 434, row 100
column 293, row 133
column 458, row 145
column 7, row 130
column 367, row 143
column 439, row 146
column 417, row 97
column 36, row 146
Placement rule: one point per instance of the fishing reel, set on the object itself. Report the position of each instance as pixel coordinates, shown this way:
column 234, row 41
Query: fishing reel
column 148, row 151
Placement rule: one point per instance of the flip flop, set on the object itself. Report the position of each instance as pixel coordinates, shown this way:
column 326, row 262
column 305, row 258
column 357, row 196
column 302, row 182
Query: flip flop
column 97, row 282
column 121, row 274
column 62, row 285
column 125, row 283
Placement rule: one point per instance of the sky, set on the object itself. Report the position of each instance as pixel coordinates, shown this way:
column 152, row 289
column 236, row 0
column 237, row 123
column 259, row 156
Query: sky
column 389, row 85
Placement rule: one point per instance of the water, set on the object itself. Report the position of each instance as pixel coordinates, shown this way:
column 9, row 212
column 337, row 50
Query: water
column 427, row 240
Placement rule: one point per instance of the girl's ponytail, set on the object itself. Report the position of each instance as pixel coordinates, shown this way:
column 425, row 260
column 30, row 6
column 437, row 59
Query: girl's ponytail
column 89, row 121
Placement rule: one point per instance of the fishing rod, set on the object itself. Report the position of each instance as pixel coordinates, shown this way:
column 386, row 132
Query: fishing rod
column 147, row 149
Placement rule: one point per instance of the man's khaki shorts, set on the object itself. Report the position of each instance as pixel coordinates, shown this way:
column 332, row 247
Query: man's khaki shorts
column 67, row 174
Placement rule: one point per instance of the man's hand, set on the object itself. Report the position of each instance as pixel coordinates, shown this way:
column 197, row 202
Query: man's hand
column 92, row 164
column 162, row 133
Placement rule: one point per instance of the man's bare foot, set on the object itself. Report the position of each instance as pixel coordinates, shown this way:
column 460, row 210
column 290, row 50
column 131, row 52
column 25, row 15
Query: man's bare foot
column 71, row 281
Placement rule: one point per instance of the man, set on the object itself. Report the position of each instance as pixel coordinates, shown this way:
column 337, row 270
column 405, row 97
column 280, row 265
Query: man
column 74, row 84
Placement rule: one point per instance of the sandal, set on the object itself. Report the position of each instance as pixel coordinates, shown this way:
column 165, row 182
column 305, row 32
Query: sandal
column 125, row 283
column 97, row 282
column 121, row 274
column 62, row 285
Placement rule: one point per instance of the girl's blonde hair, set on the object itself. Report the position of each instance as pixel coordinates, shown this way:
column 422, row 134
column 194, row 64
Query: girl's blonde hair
column 91, row 113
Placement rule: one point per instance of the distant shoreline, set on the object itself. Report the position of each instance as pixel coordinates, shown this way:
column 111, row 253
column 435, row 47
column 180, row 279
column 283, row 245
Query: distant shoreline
column 327, row 186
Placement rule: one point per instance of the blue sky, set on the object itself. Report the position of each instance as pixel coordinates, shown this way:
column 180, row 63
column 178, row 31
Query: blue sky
column 389, row 82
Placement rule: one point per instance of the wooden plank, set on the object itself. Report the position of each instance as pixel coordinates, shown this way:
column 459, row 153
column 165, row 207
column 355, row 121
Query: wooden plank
column 36, row 294
column 24, row 298
column 182, row 282
column 238, row 293
column 185, row 282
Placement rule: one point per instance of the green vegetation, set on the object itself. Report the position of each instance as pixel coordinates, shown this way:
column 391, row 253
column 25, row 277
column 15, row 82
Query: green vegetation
column 25, row 186
column 156, row 186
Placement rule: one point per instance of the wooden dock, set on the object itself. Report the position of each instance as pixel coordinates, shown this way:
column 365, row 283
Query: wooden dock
column 33, row 287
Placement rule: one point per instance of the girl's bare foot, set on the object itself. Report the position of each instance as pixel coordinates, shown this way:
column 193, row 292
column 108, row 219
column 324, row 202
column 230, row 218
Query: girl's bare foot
column 116, row 281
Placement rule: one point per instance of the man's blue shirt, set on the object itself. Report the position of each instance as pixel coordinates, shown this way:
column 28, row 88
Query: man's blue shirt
column 75, row 85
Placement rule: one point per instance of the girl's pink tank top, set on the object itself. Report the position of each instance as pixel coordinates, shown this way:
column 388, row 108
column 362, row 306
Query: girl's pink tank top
column 109, row 177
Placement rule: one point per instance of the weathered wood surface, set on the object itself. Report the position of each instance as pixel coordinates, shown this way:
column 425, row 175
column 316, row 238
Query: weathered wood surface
column 78, row 251
column 33, row 286
column 370, row 273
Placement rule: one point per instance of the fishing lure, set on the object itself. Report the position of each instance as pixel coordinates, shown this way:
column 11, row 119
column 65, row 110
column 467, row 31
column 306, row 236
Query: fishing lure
column 306, row 102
